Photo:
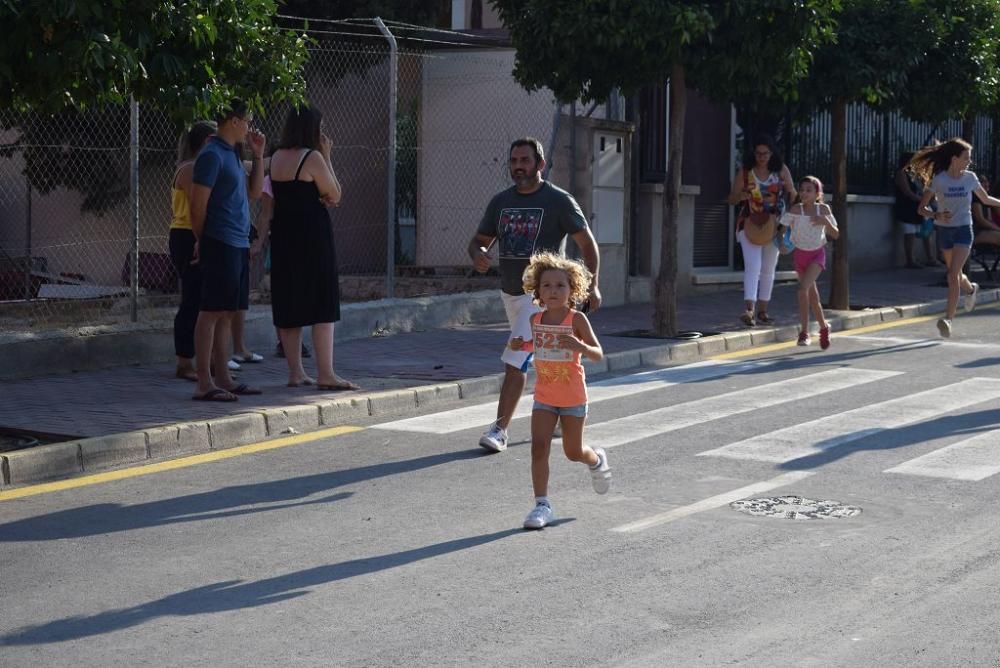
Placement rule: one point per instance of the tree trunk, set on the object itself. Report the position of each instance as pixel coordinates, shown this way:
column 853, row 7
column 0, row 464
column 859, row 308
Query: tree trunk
column 665, row 289
column 840, row 282
column 969, row 127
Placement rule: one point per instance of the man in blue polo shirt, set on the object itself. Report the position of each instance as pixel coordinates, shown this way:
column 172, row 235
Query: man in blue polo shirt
column 220, row 219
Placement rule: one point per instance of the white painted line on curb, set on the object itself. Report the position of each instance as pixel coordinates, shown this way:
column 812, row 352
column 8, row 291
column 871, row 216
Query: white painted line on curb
column 713, row 502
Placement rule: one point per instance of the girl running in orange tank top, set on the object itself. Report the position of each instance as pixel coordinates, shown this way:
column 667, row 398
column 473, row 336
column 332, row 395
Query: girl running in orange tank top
column 561, row 336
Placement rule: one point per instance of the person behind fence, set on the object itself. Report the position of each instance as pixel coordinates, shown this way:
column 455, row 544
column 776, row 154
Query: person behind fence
column 985, row 220
column 181, row 243
column 760, row 188
column 529, row 217
column 944, row 169
column 560, row 336
column 908, row 193
column 304, row 280
column 810, row 223
column 220, row 220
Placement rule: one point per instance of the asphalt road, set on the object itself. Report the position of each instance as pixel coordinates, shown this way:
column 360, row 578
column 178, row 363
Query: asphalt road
column 400, row 544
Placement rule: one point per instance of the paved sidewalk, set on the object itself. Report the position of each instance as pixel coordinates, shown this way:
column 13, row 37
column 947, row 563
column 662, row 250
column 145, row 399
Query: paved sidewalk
column 133, row 399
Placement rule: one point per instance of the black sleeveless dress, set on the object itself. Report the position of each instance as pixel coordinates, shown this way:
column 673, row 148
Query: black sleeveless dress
column 304, row 280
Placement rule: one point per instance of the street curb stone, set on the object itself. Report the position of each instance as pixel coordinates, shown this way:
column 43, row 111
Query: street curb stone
column 231, row 432
column 428, row 395
column 62, row 460
column 391, row 402
column 291, row 419
column 343, row 410
column 44, row 462
column 103, row 452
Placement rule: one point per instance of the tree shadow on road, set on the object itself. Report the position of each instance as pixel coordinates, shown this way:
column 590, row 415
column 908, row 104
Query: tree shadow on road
column 106, row 518
column 876, row 439
column 236, row 594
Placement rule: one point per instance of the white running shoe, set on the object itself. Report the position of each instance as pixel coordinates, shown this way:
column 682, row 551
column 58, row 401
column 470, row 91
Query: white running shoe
column 539, row 517
column 233, row 365
column 557, row 432
column 944, row 326
column 601, row 474
column 495, row 438
column 970, row 299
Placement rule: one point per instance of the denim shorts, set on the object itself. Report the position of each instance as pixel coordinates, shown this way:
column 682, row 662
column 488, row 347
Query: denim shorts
column 573, row 411
column 949, row 237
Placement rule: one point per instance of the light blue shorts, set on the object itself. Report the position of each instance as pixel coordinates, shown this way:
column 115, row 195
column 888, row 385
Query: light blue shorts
column 573, row 411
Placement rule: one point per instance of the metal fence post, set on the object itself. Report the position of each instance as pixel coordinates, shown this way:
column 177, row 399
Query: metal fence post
column 390, row 269
column 28, row 264
column 134, row 200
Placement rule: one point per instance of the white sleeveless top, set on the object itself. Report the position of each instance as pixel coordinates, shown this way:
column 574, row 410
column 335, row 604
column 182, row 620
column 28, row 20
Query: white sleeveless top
column 805, row 235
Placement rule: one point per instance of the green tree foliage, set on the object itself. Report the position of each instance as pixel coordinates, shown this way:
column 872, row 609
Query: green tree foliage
column 960, row 73
column 68, row 68
column 586, row 48
column 185, row 57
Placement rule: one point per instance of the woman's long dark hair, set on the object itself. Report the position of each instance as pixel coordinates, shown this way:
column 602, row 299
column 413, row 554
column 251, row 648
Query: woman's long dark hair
column 932, row 160
column 302, row 128
column 774, row 164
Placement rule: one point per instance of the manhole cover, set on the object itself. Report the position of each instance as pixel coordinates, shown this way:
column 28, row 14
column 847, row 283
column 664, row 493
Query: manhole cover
column 795, row 508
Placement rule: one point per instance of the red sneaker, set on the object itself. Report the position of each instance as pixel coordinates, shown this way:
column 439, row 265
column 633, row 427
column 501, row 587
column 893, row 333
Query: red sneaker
column 824, row 338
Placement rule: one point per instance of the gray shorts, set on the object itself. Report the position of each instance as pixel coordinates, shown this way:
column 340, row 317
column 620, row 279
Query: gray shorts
column 573, row 411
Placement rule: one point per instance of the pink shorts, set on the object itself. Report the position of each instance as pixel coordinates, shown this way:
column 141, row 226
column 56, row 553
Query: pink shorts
column 804, row 258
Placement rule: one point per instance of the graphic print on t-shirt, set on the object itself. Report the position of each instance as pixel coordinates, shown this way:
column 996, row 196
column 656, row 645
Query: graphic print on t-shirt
column 518, row 230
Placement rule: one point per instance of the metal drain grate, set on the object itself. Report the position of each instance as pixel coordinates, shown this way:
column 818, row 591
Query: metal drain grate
column 795, row 508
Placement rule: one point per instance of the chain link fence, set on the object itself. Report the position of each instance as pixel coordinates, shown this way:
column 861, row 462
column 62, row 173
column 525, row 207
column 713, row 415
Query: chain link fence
column 73, row 235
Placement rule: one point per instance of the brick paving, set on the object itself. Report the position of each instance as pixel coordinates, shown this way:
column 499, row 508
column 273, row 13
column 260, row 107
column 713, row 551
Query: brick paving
column 131, row 398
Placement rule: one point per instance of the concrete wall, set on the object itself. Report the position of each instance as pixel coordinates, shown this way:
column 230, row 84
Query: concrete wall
column 649, row 227
column 471, row 110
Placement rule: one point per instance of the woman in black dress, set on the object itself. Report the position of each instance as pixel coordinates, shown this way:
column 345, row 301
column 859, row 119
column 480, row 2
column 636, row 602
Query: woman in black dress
column 304, row 280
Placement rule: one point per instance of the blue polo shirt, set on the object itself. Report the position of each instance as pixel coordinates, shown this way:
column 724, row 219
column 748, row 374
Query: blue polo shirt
column 218, row 166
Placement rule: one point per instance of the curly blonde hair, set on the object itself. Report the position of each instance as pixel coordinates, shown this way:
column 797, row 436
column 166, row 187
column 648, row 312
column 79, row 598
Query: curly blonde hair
column 579, row 276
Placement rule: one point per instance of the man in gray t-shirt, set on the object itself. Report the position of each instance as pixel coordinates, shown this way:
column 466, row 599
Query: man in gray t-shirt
column 531, row 216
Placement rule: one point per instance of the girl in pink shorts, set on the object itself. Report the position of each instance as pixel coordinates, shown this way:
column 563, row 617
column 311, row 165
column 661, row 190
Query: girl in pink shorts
column 811, row 222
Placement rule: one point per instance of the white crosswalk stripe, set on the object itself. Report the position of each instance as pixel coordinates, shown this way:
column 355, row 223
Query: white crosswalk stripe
column 481, row 415
column 974, row 459
column 817, row 436
column 662, row 420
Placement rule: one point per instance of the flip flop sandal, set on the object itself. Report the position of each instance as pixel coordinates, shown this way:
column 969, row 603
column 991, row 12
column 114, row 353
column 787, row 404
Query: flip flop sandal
column 244, row 389
column 338, row 387
column 747, row 318
column 216, row 394
column 764, row 318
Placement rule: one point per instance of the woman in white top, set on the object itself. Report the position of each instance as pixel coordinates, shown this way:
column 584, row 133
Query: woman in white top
column 761, row 185
column 945, row 171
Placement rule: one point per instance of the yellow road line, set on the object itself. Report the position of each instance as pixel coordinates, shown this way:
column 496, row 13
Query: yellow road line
column 169, row 465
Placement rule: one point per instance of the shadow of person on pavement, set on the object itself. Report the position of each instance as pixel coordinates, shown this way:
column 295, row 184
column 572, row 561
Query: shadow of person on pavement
column 106, row 518
column 237, row 595
column 874, row 439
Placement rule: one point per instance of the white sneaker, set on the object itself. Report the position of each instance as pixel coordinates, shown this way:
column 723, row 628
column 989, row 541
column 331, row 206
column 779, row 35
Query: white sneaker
column 970, row 299
column 233, row 365
column 601, row 474
column 539, row 517
column 944, row 326
column 557, row 432
column 495, row 438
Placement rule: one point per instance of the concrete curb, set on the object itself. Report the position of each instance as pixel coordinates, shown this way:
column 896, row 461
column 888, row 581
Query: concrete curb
column 62, row 460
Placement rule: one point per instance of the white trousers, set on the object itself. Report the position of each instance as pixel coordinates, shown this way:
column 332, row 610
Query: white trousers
column 759, row 263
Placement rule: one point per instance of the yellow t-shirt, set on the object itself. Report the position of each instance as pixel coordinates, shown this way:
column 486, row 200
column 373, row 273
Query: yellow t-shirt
column 180, row 206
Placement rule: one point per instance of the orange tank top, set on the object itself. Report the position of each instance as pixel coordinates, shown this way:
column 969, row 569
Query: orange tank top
column 560, row 378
